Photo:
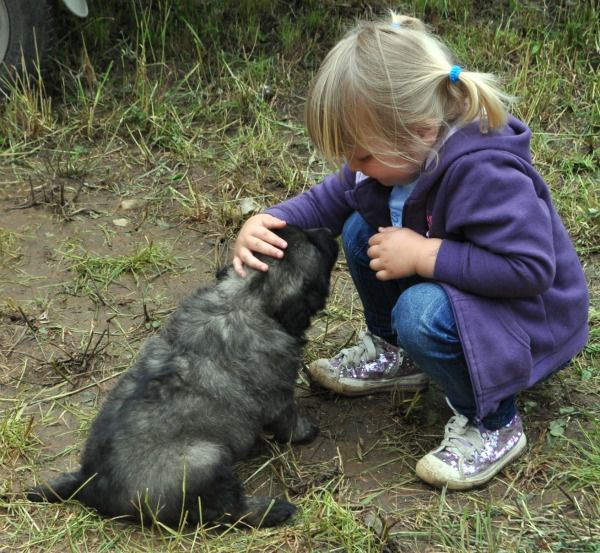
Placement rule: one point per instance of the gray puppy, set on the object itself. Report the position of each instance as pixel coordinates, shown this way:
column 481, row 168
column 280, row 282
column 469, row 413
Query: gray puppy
column 219, row 375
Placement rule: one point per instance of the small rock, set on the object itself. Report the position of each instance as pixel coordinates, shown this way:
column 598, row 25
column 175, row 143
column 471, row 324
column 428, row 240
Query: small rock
column 248, row 205
column 130, row 204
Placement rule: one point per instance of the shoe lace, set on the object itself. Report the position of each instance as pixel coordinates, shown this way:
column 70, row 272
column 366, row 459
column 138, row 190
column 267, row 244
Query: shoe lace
column 462, row 438
column 364, row 350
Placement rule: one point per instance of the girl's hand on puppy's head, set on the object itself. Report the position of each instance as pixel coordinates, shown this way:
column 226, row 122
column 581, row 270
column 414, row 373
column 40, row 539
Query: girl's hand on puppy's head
column 256, row 237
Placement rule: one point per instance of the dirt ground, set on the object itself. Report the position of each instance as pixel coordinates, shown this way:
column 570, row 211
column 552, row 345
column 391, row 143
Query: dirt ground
column 61, row 343
column 62, row 349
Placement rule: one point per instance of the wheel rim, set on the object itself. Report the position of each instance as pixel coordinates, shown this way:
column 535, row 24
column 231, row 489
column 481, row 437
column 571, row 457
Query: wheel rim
column 4, row 30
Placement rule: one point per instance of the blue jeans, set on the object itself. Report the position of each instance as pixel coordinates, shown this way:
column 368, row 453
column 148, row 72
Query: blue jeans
column 416, row 315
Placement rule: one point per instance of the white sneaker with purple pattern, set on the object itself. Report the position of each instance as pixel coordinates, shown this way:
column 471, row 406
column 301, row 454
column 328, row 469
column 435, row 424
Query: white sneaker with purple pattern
column 371, row 366
column 469, row 457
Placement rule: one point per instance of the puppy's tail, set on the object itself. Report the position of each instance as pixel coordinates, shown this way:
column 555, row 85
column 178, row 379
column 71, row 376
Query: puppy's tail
column 65, row 487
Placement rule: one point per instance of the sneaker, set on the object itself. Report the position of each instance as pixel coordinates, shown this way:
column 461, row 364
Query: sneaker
column 373, row 365
column 468, row 457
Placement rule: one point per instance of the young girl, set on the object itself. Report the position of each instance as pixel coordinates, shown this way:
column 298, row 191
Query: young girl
column 465, row 271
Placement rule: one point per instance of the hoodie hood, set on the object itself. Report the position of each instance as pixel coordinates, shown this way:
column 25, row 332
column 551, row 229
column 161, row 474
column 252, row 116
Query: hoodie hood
column 513, row 139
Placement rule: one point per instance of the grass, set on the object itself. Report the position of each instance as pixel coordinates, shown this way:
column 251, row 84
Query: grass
column 9, row 247
column 95, row 273
column 180, row 119
column 15, row 435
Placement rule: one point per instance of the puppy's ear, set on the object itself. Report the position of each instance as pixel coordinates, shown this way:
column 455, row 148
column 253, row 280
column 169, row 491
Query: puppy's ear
column 222, row 272
column 294, row 315
column 296, row 312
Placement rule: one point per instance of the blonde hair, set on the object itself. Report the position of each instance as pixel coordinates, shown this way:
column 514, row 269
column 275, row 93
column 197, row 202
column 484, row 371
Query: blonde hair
column 387, row 82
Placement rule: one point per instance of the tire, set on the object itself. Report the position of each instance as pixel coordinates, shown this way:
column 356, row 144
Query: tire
column 25, row 35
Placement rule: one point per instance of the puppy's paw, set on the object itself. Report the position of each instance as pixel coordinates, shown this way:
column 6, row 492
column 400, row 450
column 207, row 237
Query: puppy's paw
column 305, row 432
column 268, row 511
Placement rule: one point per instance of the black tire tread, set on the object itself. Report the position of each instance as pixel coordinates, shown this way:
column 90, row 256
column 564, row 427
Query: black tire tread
column 36, row 46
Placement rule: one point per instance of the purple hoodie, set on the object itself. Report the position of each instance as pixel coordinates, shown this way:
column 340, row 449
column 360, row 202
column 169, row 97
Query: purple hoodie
column 517, row 288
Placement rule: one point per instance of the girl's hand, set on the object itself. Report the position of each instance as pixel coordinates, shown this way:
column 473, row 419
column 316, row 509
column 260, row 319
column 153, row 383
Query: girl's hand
column 401, row 252
column 256, row 236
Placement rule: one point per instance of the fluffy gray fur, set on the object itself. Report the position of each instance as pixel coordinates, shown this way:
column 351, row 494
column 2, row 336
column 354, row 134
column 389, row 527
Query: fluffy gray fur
column 219, row 375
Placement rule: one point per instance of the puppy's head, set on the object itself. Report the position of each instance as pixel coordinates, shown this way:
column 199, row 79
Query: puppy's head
column 296, row 286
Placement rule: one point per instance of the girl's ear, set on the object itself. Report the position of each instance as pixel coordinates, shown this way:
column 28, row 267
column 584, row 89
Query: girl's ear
column 429, row 134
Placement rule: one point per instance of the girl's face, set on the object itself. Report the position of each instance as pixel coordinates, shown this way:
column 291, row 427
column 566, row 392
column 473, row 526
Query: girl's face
column 392, row 169
column 388, row 170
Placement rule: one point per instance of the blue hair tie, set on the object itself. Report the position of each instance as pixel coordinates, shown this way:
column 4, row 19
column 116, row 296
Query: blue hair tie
column 395, row 25
column 455, row 71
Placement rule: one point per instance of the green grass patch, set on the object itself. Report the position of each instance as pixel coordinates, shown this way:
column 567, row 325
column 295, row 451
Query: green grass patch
column 330, row 524
column 9, row 246
column 16, row 438
column 95, row 273
column 582, row 456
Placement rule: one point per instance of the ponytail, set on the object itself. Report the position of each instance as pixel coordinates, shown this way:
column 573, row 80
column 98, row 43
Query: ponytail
column 478, row 95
